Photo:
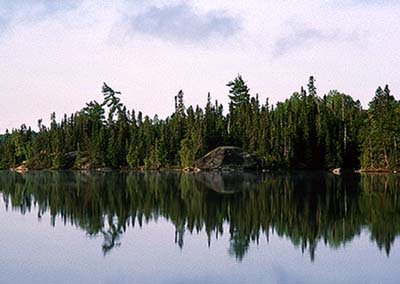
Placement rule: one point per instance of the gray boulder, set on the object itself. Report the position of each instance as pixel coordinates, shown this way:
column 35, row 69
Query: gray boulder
column 228, row 158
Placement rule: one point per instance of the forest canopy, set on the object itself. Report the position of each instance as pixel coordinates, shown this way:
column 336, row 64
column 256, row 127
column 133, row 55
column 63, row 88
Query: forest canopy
column 306, row 131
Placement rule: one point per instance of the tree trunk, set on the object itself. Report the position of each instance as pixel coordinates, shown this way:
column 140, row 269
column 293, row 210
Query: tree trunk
column 371, row 157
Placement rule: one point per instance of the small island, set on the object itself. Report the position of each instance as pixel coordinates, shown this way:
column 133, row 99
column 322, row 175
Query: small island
column 305, row 132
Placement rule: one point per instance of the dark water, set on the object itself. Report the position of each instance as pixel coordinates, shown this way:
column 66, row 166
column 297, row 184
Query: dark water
column 68, row 227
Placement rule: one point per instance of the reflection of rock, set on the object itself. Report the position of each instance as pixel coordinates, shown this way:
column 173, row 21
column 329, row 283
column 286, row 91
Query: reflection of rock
column 227, row 183
column 228, row 158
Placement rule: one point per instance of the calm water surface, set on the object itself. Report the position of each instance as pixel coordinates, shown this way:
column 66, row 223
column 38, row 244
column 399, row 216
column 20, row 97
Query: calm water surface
column 69, row 227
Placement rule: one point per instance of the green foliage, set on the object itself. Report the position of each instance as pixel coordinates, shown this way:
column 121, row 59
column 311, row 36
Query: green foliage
column 381, row 132
column 239, row 92
column 305, row 131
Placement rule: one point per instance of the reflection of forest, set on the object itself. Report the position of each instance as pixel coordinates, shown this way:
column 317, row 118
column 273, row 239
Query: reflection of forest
column 307, row 208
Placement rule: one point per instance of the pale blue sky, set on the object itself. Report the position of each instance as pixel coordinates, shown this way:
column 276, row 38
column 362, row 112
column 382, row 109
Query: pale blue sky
column 55, row 54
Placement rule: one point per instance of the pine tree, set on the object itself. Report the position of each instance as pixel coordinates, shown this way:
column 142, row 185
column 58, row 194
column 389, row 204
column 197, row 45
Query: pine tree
column 179, row 105
column 239, row 92
column 112, row 102
column 312, row 90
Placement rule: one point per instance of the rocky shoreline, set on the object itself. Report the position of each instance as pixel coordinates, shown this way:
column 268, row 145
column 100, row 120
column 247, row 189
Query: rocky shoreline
column 221, row 159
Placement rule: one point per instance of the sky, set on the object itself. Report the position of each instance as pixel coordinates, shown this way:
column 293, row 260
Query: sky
column 56, row 54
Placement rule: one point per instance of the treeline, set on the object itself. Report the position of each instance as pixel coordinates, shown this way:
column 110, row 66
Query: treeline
column 306, row 131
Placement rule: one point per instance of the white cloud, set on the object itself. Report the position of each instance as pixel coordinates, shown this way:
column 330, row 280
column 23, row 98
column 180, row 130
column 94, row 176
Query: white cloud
column 300, row 36
column 182, row 23
column 56, row 59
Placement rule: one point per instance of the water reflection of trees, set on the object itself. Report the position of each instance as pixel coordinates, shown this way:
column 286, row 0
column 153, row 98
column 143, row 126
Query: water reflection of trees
column 307, row 208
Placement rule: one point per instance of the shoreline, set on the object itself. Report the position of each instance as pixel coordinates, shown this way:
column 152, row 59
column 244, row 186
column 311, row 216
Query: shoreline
column 338, row 171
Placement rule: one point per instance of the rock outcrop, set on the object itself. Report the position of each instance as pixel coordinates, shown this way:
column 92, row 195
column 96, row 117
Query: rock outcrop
column 228, row 158
column 21, row 168
column 337, row 171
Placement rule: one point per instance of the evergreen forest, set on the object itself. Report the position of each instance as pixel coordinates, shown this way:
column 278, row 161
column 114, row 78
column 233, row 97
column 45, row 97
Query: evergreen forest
column 306, row 131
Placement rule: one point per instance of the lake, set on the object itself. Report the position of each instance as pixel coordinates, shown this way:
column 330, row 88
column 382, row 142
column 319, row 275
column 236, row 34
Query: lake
column 171, row 227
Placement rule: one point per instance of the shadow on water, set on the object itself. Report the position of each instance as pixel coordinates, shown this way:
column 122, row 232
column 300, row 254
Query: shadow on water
column 307, row 208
